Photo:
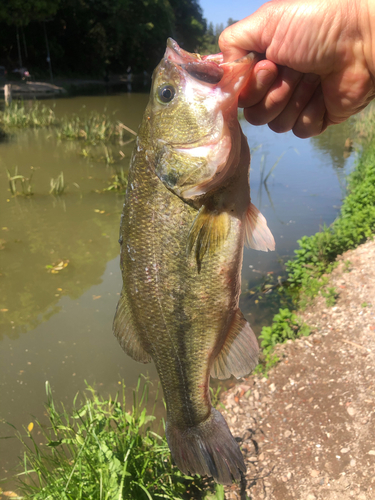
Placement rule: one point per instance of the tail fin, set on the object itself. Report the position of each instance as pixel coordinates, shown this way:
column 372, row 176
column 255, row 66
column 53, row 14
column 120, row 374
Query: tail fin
column 207, row 449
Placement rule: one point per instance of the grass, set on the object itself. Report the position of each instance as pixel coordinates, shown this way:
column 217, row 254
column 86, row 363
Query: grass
column 356, row 223
column 307, row 273
column 100, row 451
column 58, row 185
column 119, row 181
column 15, row 179
column 23, row 115
column 92, row 128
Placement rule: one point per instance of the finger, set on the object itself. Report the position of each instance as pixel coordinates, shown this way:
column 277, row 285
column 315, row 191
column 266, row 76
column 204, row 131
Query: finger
column 275, row 99
column 312, row 120
column 264, row 75
column 252, row 33
column 301, row 96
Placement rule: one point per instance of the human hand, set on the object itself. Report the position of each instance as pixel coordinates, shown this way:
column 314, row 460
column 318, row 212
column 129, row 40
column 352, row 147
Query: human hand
column 319, row 66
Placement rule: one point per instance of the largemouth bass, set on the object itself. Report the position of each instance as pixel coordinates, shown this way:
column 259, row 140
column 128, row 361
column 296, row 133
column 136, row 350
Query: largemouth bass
column 187, row 213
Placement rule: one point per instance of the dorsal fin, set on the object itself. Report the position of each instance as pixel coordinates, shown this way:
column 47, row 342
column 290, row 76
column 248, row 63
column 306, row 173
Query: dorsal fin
column 239, row 354
column 258, row 235
column 207, row 233
column 126, row 334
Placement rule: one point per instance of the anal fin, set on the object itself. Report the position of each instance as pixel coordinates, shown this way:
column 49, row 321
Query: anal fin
column 239, row 354
column 207, row 234
column 126, row 334
column 258, row 235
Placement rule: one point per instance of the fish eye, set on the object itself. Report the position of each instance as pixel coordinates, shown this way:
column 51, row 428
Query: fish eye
column 166, row 93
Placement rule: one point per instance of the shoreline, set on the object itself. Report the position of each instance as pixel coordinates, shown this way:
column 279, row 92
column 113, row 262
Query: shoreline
column 306, row 431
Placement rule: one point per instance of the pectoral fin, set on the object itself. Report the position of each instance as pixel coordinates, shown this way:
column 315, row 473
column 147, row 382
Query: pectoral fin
column 207, row 234
column 239, row 354
column 126, row 334
column 258, row 235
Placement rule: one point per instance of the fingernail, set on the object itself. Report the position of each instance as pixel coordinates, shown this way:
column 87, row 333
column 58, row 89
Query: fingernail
column 265, row 77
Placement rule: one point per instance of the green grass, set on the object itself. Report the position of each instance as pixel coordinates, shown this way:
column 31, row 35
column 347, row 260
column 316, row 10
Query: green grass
column 91, row 128
column 317, row 253
column 58, row 185
column 23, row 115
column 15, row 179
column 103, row 450
column 307, row 273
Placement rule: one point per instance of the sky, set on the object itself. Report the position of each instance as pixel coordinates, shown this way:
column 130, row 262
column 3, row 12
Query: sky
column 219, row 11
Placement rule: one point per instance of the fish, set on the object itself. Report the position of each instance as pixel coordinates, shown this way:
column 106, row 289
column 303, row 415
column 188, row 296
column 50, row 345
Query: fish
column 186, row 216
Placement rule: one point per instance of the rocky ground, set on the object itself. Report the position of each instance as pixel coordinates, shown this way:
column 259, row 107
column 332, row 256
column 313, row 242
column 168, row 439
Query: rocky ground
column 307, row 431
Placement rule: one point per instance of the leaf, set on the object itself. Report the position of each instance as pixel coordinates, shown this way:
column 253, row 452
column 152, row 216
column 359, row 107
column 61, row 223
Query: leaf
column 53, row 444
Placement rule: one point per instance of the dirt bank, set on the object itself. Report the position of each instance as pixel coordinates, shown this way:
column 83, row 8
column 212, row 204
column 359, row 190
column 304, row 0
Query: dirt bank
column 307, row 431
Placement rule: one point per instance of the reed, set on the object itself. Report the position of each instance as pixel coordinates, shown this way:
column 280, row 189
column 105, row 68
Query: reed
column 57, row 185
column 21, row 115
column 92, row 128
column 15, row 179
column 119, row 181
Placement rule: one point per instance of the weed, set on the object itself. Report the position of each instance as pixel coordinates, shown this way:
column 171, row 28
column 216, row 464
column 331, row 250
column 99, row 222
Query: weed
column 101, row 451
column 267, row 361
column 347, row 266
column 25, row 182
column 57, row 185
column 331, row 295
column 285, row 326
column 93, row 129
column 19, row 115
column 354, row 225
column 119, row 181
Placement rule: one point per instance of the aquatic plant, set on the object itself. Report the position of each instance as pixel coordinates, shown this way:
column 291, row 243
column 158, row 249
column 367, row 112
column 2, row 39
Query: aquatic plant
column 92, row 128
column 21, row 115
column 25, row 182
column 100, row 450
column 119, row 181
column 57, row 185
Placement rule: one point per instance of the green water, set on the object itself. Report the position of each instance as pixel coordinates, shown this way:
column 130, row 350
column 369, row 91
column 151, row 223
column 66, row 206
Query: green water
column 56, row 326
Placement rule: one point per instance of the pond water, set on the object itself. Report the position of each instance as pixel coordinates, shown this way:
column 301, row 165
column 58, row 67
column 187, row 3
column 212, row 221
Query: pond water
column 56, row 326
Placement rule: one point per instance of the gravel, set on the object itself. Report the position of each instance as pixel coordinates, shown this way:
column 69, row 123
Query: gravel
column 307, row 431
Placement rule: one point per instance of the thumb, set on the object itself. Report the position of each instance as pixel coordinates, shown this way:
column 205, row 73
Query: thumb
column 254, row 33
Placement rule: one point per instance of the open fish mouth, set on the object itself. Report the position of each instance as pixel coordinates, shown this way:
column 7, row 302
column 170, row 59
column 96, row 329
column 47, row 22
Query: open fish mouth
column 201, row 68
column 208, row 69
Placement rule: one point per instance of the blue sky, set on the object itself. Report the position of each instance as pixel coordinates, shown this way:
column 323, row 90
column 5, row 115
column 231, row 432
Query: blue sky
column 219, row 11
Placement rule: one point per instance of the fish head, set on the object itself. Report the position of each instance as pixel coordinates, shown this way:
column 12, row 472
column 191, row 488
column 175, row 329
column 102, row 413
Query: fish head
column 194, row 131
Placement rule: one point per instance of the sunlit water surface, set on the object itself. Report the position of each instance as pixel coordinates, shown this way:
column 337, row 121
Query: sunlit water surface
column 57, row 326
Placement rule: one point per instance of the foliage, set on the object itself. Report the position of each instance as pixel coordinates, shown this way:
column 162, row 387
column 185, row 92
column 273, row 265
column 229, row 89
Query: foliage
column 22, row 12
column 285, row 326
column 353, row 226
column 98, row 36
column 91, row 128
column 102, row 451
column 22, row 115
column 119, row 181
